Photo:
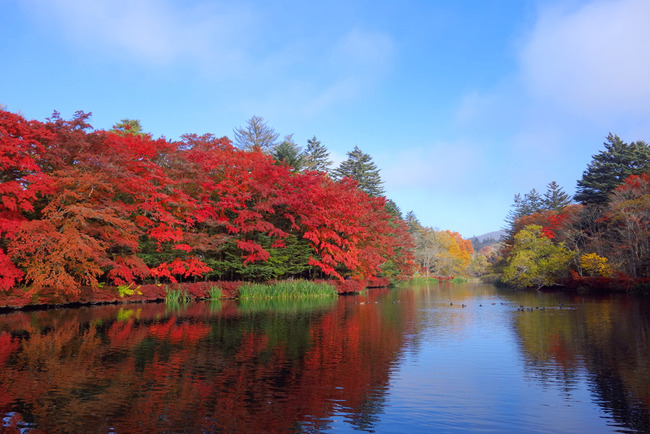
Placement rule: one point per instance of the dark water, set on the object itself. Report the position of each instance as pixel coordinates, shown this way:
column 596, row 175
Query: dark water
column 401, row 360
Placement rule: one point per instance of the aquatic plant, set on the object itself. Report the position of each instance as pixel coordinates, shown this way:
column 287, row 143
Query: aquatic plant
column 287, row 289
column 424, row 280
column 177, row 296
column 215, row 293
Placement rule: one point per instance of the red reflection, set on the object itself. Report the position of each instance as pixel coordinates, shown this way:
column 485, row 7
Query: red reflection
column 134, row 369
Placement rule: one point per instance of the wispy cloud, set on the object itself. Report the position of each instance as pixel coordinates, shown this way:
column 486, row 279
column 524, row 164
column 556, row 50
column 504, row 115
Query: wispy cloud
column 307, row 84
column 360, row 51
column 581, row 72
column 593, row 60
column 227, row 43
column 446, row 164
column 147, row 31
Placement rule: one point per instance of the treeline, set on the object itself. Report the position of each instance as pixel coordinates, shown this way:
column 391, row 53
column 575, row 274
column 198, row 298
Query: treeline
column 80, row 206
column 439, row 253
column 601, row 240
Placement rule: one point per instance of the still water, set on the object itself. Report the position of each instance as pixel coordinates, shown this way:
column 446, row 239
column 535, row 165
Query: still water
column 442, row 358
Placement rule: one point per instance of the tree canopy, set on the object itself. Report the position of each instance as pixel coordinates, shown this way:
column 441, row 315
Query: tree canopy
column 610, row 167
column 90, row 207
column 360, row 167
column 289, row 153
column 555, row 198
column 128, row 126
column 317, row 156
column 256, row 135
column 604, row 240
column 535, row 261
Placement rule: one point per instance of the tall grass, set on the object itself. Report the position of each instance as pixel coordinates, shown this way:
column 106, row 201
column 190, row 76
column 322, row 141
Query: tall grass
column 424, row 280
column 177, row 296
column 215, row 293
column 431, row 280
column 287, row 289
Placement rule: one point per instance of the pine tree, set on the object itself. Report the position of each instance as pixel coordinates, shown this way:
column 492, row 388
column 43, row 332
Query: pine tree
column 359, row 166
column 555, row 199
column 128, row 126
column 257, row 135
column 289, row 153
column 531, row 203
column 516, row 211
column 392, row 209
column 609, row 168
column 317, row 156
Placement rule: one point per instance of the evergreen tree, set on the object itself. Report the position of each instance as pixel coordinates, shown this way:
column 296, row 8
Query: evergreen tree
column 555, row 199
column 317, row 156
column 289, row 153
column 359, row 166
column 256, row 135
column 609, row 168
column 412, row 222
column 531, row 203
column 516, row 211
column 128, row 126
column 392, row 209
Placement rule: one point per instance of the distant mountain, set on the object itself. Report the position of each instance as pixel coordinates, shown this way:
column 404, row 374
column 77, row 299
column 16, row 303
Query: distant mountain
column 496, row 235
column 480, row 241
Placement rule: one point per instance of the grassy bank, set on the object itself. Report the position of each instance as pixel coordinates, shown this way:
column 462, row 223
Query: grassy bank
column 287, row 289
column 19, row 298
column 420, row 280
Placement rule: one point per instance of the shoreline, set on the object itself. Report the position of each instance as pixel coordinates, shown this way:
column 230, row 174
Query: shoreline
column 20, row 299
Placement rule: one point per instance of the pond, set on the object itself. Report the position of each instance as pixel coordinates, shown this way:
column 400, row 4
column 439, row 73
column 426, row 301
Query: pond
column 440, row 358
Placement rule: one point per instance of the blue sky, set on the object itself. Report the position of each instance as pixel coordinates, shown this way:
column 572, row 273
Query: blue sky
column 461, row 104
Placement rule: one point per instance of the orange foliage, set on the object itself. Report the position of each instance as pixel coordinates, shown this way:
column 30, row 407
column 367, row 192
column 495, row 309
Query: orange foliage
column 81, row 204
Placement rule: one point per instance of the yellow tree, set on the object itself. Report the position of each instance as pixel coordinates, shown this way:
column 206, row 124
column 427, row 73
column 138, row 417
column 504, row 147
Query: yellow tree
column 535, row 261
column 443, row 253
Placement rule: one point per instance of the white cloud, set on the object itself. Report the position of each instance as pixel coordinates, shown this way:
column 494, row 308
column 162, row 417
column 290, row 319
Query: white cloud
column 360, row 51
column 307, row 84
column 225, row 42
column 148, row 31
column 593, row 60
column 441, row 165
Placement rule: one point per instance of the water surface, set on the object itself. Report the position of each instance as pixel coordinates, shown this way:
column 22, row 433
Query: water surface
column 443, row 358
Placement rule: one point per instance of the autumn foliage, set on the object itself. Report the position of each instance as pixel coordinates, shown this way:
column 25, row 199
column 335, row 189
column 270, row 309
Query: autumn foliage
column 83, row 207
column 600, row 246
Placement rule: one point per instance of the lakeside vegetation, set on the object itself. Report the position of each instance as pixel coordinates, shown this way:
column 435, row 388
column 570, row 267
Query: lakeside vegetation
column 600, row 242
column 85, row 211
column 287, row 289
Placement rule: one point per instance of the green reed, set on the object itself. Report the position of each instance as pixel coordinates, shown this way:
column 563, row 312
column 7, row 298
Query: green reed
column 287, row 289
column 177, row 296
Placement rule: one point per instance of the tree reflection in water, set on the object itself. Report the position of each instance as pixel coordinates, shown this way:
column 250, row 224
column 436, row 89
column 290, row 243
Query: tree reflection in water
column 608, row 337
column 322, row 364
column 255, row 367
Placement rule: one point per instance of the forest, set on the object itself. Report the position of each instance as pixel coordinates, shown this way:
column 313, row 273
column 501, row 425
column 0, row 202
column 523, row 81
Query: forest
column 87, row 208
column 600, row 239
